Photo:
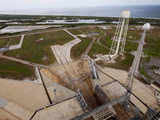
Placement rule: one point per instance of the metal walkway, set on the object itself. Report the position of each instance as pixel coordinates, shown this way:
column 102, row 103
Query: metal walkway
column 104, row 114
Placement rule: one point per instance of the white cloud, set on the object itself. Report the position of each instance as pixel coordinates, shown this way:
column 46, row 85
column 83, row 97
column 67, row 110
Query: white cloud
column 33, row 4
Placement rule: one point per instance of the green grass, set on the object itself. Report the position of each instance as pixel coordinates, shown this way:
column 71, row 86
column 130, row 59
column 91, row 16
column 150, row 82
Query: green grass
column 134, row 35
column 75, row 31
column 123, row 64
column 14, row 70
column 80, row 48
column 14, row 40
column 152, row 48
column 40, row 52
column 4, row 42
column 130, row 46
column 97, row 49
column 85, row 30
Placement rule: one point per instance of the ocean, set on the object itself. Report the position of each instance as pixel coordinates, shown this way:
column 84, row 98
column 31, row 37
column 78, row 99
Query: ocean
column 146, row 11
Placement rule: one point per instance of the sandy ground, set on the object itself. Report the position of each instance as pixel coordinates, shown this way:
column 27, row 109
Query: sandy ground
column 71, row 72
column 76, row 76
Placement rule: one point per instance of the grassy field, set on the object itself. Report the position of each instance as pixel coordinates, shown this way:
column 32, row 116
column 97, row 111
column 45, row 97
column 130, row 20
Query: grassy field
column 152, row 47
column 121, row 62
column 134, row 35
column 85, row 30
column 76, row 31
column 14, row 70
column 38, row 51
column 80, row 48
column 104, row 44
column 14, row 40
column 4, row 42
column 97, row 49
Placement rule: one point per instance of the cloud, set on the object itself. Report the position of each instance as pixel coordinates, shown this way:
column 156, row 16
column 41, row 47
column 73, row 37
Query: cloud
column 33, row 4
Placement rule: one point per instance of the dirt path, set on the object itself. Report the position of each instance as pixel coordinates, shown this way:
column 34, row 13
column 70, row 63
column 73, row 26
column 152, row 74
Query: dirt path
column 90, row 46
column 22, row 61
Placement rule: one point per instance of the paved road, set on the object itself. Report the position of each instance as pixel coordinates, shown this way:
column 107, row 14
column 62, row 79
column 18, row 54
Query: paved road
column 63, row 52
column 19, row 45
column 44, row 31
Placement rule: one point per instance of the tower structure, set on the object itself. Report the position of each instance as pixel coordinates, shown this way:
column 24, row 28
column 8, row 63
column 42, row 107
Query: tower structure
column 119, row 40
column 135, row 65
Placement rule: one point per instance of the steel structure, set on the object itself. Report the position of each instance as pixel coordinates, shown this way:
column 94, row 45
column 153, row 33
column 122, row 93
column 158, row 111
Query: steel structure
column 119, row 39
column 135, row 65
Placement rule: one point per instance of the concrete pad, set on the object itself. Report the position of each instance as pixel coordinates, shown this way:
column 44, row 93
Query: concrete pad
column 18, row 111
column 144, row 92
column 14, row 29
column 3, row 102
column 62, row 111
column 4, row 115
column 28, row 95
column 114, row 90
column 56, row 91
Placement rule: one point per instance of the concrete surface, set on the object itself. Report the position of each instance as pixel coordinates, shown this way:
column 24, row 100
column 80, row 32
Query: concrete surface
column 18, row 46
column 28, row 95
column 63, row 52
column 3, row 102
column 144, row 92
column 63, row 111
column 14, row 29
column 56, row 91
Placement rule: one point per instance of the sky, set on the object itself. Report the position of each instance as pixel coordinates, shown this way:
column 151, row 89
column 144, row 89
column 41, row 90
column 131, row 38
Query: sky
column 47, row 4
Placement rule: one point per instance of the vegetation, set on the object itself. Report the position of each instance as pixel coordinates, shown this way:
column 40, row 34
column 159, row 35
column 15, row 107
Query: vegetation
column 103, row 46
column 134, row 35
column 152, row 43
column 130, row 46
column 14, row 70
column 4, row 42
column 80, row 48
column 14, row 40
column 97, row 49
column 38, row 18
column 38, row 51
column 76, row 31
